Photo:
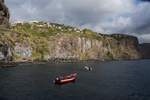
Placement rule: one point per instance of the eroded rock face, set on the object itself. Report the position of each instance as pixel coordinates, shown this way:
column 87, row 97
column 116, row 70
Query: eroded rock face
column 6, row 52
column 4, row 14
column 81, row 48
column 23, row 50
column 71, row 47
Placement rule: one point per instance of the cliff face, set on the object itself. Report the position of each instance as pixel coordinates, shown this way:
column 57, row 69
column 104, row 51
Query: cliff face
column 108, row 48
column 4, row 15
column 68, row 46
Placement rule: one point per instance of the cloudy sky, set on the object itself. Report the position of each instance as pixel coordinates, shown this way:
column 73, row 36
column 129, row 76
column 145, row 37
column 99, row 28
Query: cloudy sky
column 105, row 16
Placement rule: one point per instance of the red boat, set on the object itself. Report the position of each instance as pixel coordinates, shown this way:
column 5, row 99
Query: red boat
column 66, row 79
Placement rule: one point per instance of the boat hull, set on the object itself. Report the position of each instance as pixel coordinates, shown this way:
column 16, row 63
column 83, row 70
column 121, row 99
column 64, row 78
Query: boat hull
column 66, row 79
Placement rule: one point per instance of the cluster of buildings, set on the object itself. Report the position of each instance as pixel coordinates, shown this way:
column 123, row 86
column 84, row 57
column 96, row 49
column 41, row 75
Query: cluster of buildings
column 55, row 26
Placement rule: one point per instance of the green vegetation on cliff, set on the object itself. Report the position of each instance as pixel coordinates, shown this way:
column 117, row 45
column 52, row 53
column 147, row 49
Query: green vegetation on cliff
column 43, row 29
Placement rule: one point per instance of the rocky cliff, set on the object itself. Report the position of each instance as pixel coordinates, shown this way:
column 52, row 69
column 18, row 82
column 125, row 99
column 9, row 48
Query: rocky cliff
column 49, row 41
column 84, row 48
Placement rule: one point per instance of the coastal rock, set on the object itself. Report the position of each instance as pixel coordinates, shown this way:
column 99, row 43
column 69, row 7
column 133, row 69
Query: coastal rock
column 24, row 51
column 4, row 15
column 6, row 52
column 49, row 42
column 67, row 46
column 81, row 48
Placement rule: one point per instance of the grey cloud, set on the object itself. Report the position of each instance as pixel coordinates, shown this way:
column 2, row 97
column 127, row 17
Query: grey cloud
column 139, row 20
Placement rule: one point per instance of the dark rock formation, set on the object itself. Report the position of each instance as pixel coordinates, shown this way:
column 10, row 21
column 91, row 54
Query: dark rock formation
column 145, row 50
column 4, row 15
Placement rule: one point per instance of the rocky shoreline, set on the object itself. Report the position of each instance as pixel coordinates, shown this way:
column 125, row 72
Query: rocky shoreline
column 14, row 64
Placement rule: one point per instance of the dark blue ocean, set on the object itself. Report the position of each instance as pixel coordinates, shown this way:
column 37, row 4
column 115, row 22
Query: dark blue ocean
column 116, row 80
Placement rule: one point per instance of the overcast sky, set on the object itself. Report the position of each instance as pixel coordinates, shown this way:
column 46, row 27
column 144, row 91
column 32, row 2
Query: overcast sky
column 105, row 16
